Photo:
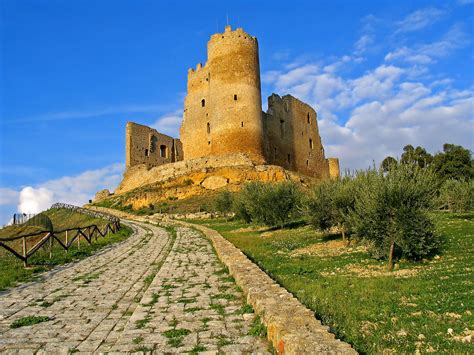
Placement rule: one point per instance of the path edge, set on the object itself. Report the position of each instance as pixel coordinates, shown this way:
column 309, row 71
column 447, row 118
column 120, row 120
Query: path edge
column 291, row 327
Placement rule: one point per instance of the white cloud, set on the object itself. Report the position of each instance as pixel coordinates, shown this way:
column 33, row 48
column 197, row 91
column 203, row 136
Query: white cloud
column 169, row 124
column 454, row 39
column 35, row 200
column 363, row 43
column 419, row 19
column 383, row 110
column 76, row 190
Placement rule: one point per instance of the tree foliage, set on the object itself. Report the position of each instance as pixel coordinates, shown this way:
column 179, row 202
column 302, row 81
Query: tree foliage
column 456, row 195
column 223, row 202
column 390, row 211
column 331, row 203
column 269, row 204
column 455, row 162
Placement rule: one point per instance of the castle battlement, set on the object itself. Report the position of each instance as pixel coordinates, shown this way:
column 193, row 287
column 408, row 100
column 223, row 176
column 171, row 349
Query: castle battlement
column 223, row 115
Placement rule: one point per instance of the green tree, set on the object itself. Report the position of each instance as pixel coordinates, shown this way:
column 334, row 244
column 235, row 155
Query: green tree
column 391, row 208
column 456, row 195
column 331, row 203
column 387, row 163
column 223, row 202
column 269, row 204
column 416, row 155
column 455, row 162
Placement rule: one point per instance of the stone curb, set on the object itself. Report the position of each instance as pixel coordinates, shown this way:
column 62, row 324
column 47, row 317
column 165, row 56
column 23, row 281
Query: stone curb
column 291, row 327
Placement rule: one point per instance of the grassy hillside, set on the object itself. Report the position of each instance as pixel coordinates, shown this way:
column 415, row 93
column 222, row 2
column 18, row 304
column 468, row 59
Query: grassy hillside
column 424, row 306
column 12, row 270
column 188, row 205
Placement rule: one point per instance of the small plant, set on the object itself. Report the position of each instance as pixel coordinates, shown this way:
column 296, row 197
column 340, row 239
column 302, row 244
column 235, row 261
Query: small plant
column 257, row 328
column 29, row 320
column 143, row 322
column 218, row 308
column 175, row 336
column 246, row 309
column 197, row 349
column 137, row 340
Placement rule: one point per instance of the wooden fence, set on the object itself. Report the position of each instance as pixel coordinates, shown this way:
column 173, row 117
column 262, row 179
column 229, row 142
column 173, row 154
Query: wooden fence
column 72, row 235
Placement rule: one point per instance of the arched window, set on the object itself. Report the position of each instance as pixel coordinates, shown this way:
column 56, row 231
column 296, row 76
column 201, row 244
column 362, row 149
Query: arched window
column 308, row 118
column 208, row 127
column 310, row 143
column 235, row 97
column 203, row 102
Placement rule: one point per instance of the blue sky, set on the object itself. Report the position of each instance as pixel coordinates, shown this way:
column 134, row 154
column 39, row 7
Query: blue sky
column 381, row 74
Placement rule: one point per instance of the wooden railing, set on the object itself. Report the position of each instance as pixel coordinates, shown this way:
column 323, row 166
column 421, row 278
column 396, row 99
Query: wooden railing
column 31, row 243
column 71, row 235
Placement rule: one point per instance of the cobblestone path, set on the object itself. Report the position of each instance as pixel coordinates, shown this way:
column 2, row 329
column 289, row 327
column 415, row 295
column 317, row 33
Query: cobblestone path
column 162, row 289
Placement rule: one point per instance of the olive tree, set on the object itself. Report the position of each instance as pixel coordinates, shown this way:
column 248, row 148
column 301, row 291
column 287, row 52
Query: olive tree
column 391, row 211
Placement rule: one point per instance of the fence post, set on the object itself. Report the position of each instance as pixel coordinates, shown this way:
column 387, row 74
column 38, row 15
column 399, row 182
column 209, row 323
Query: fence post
column 67, row 247
column 24, row 251
column 50, row 246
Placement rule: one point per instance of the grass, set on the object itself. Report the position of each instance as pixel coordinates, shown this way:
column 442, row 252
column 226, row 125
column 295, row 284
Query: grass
column 159, row 203
column 12, row 270
column 425, row 306
column 257, row 328
column 175, row 336
column 29, row 320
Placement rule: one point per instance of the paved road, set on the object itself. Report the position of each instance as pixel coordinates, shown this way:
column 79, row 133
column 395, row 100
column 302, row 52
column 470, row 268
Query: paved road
column 161, row 289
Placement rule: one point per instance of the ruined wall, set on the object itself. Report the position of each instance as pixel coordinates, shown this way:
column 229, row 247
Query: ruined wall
column 145, row 145
column 292, row 137
column 222, row 110
column 333, row 164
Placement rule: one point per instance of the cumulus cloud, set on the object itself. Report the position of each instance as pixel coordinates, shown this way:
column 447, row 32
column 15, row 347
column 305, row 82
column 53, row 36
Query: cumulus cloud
column 363, row 119
column 169, row 123
column 75, row 190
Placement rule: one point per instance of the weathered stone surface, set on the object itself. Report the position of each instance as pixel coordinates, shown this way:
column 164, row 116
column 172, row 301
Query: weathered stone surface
column 291, row 327
column 126, row 297
column 100, row 195
column 214, row 182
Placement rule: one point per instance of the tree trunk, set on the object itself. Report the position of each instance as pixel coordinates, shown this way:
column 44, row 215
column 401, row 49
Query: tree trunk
column 390, row 256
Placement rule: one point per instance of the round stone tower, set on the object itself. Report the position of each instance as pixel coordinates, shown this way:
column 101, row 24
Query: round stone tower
column 223, row 107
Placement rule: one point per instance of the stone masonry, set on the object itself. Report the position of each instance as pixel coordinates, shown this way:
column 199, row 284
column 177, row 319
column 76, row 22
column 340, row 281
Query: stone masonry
column 223, row 115
column 157, row 291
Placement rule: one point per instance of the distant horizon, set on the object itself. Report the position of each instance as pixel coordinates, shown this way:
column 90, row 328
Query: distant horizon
column 380, row 76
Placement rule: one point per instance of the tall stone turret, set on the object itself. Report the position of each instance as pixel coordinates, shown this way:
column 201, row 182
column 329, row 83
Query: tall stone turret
column 223, row 107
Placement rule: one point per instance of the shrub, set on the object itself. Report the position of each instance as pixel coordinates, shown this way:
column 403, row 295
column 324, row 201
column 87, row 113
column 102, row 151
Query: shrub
column 456, row 195
column 269, row 204
column 223, row 202
column 390, row 211
column 331, row 203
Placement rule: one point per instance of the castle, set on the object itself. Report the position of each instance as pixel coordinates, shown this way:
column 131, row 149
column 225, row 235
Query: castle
column 223, row 115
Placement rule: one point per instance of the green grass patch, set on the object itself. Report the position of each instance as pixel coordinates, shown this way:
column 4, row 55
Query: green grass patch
column 424, row 306
column 257, row 328
column 175, row 336
column 29, row 320
column 12, row 270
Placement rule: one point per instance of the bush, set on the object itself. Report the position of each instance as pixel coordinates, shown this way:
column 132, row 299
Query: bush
column 390, row 211
column 223, row 202
column 269, row 204
column 331, row 203
column 456, row 196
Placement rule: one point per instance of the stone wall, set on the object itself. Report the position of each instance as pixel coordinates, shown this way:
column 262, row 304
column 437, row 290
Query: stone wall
column 292, row 137
column 222, row 110
column 145, row 145
column 333, row 164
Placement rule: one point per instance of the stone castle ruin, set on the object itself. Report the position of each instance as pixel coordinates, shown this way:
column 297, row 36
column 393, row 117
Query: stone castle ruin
column 223, row 116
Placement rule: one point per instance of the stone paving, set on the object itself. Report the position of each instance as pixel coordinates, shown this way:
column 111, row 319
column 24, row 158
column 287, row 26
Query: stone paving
column 161, row 290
